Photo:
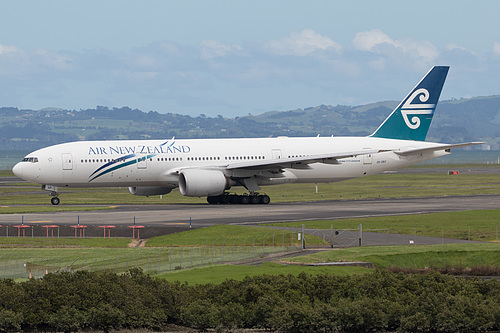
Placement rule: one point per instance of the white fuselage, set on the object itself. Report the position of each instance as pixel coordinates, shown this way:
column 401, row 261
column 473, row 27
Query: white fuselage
column 153, row 162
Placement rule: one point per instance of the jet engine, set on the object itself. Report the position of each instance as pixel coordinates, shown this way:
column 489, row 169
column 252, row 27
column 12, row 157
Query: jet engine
column 149, row 190
column 201, row 183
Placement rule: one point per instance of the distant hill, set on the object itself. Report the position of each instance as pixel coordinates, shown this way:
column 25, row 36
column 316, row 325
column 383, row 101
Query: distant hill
column 474, row 119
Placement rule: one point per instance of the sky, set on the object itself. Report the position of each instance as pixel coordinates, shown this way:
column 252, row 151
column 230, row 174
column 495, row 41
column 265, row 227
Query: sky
column 234, row 58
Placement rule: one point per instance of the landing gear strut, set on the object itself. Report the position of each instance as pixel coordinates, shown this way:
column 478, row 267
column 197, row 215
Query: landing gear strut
column 53, row 193
column 227, row 198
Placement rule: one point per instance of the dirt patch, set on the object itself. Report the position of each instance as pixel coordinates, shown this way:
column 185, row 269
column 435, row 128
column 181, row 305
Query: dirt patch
column 137, row 243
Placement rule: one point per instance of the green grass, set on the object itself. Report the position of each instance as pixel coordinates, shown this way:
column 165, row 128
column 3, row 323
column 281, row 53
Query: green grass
column 483, row 224
column 422, row 256
column 231, row 234
column 42, row 254
column 220, row 273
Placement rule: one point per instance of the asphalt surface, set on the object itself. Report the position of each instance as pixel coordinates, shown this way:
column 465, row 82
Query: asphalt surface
column 166, row 219
column 201, row 215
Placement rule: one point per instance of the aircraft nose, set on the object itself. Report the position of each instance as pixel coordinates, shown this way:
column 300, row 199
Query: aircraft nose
column 18, row 170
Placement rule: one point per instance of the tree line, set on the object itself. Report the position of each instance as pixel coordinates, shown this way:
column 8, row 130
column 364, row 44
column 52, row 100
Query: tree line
column 380, row 301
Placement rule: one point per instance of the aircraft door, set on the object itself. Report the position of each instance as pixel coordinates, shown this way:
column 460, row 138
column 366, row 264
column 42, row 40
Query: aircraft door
column 276, row 154
column 367, row 158
column 142, row 162
column 67, row 161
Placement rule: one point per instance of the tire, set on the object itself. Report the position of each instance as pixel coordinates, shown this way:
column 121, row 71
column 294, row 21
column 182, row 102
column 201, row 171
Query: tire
column 244, row 199
column 212, row 200
column 254, row 199
column 55, row 201
column 264, row 199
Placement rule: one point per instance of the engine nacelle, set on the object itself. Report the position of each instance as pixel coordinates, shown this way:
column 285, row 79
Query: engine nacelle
column 149, row 190
column 201, row 183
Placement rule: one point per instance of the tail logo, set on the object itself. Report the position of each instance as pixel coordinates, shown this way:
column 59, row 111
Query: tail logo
column 410, row 108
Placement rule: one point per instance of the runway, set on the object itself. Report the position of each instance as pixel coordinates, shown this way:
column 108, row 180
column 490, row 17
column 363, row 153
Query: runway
column 202, row 215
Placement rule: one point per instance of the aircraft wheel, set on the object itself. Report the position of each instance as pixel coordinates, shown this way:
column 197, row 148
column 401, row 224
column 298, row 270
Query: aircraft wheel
column 254, row 199
column 212, row 200
column 234, row 199
column 55, row 201
column 244, row 199
column 264, row 199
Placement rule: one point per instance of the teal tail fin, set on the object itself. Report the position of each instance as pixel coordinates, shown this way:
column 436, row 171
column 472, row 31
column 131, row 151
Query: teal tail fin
column 412, row 117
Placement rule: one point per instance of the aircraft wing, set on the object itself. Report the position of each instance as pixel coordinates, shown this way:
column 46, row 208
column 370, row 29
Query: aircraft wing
column 412, row 151
column 297, row 161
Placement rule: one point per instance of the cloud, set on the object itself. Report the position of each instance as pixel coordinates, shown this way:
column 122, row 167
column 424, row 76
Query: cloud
column 214, row 49
column 496, row 48
column 375, row 41
column 302, row 44
column 4, row 49
column 368, row 40
column 52, row 59
column 301, row 69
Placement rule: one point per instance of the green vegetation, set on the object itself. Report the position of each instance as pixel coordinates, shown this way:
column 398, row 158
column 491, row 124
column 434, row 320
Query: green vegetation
column 204, row 247
column 29, row 129
column 483, row 224
column 380, row 301
column 232, row 234
column 426, row 256
column 220, row 273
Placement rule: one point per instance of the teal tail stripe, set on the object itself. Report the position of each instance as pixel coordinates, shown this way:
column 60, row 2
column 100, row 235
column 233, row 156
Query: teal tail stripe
column 412, row 117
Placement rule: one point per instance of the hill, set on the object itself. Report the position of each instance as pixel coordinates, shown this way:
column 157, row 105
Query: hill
column 474, row 119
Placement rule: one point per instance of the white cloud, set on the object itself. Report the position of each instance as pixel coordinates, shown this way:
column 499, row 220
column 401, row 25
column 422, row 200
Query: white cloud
column 368, row 40
column 422, row 52
column 52, row 59
column 496, row 48
column 4, row 49
column 302, row 43
column 213, row 49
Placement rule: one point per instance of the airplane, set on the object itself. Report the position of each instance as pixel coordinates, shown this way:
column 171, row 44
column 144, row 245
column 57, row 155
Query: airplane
column 210, row 167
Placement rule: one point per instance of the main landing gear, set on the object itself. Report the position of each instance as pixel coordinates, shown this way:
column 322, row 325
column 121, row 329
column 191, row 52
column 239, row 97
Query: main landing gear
column 244, row 199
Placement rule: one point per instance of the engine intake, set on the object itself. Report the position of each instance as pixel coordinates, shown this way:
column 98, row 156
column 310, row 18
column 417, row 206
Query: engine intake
column 201, row 183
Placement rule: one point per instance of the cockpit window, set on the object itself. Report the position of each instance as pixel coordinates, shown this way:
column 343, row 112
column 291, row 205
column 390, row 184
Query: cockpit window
column 30, row 159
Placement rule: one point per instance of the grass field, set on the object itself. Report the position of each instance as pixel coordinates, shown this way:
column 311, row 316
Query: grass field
column 183, row 257
column 484, row 224
column 434, row 256
column 218, row 274
column 232, row 234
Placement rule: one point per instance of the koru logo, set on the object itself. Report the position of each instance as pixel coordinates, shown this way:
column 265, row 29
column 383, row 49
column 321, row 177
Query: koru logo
column 416, row 109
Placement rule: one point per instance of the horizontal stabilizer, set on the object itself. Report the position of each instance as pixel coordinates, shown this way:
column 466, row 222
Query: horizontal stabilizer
column 412, row 151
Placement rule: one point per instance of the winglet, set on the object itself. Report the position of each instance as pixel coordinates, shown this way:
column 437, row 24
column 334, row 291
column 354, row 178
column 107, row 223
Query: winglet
column 411, row 119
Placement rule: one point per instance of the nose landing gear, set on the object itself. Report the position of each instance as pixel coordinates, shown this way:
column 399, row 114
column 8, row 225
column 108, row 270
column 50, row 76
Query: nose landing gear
column 53, row 192
column 55, row 200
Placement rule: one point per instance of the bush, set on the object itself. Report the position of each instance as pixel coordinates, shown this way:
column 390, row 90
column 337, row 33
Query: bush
column 381, row 301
